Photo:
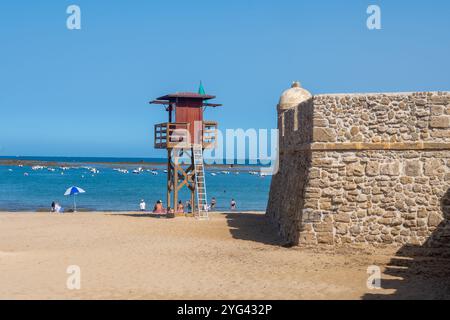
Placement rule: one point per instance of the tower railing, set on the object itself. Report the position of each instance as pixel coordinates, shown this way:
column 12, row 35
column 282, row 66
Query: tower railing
column 209, row 134
column 171, row 135
column 176, row 135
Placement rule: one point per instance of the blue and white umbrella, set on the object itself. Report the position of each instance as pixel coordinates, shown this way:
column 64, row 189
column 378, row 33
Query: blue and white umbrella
column 73, row 191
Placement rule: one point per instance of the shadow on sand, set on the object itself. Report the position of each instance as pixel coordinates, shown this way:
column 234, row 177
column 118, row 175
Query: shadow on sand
column 143, row 215
column 421, row 272
column 253, row 227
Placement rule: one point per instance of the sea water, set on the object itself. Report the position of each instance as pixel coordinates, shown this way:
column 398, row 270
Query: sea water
column 24, row 189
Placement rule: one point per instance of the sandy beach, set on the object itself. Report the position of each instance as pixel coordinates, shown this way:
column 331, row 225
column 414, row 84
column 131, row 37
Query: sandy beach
column 232, row 256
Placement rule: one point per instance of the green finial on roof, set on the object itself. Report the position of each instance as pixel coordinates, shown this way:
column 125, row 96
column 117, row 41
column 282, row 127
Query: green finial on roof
column 201, row 90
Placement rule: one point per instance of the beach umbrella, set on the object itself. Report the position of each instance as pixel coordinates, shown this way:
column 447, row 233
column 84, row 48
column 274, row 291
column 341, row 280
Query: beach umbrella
column 73, row 191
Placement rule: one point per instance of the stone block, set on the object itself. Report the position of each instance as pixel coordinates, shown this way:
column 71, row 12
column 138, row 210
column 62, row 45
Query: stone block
column 406, row 180
column 323, row 227
column 434, row 219
column 422, row 213
column 307, row 238
column 440, row 122
column 310, row 215
column 355, row 169
column 361, row 198
column 342, row 217
column 373, row 168
column 387, row 238
column 361, row 213
column 413, row 168
column 437, row 110
column 325, row 205
column 325, row 238
column 324, row 135
column 355, row 230
column 311, row 204
column 432, row 167
column 321, row 123
column 354, row 131
column 341, row 228
column 440, row 100
column 390, row 169
column 306, row 227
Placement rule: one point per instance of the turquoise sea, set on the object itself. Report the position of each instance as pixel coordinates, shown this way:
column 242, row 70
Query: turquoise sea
column 25, row 189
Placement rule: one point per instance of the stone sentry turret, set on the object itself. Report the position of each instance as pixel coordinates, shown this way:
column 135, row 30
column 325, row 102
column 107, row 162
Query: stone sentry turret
column 290, row 100
column 362, row 168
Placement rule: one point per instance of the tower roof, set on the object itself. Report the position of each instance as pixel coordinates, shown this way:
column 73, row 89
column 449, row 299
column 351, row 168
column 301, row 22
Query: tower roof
column 187, row 95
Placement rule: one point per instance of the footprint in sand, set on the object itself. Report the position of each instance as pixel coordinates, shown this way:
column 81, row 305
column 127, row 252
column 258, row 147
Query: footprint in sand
column 6, row 254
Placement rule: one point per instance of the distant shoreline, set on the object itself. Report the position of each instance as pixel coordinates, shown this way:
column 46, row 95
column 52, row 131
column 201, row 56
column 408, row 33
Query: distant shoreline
column 143, row 163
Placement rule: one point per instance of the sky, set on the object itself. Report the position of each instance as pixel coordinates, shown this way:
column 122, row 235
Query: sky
column 86, row 92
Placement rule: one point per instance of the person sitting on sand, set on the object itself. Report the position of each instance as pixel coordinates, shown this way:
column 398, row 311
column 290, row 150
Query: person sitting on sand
column 180, row 207
column 213, row 203
column 159, row 207
column 142, row 205
column 58, row 208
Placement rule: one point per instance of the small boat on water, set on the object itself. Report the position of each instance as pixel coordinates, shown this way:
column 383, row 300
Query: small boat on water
column 155, row 173
column 213, row 174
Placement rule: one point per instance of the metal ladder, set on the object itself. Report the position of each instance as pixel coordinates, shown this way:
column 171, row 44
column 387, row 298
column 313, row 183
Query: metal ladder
column 202, row 201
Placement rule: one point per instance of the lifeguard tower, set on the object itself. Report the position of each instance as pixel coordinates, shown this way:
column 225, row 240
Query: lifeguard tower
column 187, row 134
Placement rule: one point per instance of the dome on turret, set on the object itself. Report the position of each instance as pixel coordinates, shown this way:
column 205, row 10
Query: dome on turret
column 293, row 96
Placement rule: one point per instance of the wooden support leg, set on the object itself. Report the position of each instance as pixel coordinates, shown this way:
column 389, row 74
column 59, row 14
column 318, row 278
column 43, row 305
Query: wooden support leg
column 175, row 180
column 193, row 183
column 169, row 176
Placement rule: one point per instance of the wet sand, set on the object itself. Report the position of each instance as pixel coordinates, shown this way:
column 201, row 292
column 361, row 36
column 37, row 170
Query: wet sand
column 232, row 256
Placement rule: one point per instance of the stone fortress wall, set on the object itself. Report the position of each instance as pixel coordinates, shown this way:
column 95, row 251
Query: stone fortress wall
column 363, row 168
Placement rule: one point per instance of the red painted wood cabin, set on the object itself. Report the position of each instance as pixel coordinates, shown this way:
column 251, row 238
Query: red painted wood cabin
column 189, row 127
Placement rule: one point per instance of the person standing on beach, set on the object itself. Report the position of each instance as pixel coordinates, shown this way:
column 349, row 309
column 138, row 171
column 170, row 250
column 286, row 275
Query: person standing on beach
column 213, row 203
column 189, row 206
column 180, row 207
column 53, row 206
column 142, row 205
column 233, row 205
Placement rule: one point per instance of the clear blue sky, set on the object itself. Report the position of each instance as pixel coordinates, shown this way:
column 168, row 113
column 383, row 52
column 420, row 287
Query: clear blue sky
column 85, row 92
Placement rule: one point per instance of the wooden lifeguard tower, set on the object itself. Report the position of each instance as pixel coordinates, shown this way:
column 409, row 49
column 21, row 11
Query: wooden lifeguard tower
column 187, row 134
